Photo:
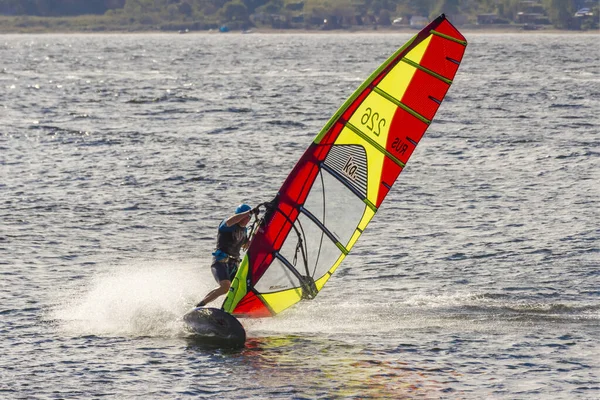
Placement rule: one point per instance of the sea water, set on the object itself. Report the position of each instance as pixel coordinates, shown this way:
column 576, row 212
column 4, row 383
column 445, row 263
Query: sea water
column 119, row 154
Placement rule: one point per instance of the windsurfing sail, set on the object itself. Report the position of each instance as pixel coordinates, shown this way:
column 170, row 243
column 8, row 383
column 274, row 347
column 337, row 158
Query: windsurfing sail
column 339, row 183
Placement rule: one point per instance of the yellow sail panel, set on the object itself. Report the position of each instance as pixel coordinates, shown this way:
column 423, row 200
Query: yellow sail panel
column 238, row 287
column 279, row 301
column 416, row 54
column 396, row 82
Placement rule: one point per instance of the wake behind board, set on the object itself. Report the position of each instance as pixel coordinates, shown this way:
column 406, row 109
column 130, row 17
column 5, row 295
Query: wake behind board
column 215, row 326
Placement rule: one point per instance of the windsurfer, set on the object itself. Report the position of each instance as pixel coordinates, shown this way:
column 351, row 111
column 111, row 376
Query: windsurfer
column 231, row 238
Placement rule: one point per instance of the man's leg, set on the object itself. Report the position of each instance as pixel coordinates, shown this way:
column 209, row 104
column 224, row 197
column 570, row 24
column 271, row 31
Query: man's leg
column 213, row 294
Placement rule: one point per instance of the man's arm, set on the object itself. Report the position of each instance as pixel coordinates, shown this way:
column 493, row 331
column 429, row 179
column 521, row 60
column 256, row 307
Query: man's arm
column 234, row 219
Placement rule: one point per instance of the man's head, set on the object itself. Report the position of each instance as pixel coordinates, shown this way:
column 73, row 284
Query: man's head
column 241, row 209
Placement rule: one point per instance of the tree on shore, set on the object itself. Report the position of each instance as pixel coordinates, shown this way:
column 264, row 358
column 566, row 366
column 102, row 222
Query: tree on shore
column 560, row 12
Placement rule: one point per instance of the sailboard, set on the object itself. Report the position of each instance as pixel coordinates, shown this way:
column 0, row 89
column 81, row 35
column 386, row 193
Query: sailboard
column 213, row 326
column 341, row 180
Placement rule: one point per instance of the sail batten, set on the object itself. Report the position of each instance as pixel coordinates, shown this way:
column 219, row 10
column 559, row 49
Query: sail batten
column 324, row 229
column 427, row 71
column 288, row 264
column 440, row 34
column 339, row 183
column 401, row 105
column 374, row 144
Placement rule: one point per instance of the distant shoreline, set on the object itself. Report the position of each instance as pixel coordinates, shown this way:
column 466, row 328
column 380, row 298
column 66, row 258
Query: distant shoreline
column 387, row 30
column 271, row 31
column 92, row 25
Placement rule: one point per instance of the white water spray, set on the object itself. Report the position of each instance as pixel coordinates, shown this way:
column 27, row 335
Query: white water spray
column 140, row 299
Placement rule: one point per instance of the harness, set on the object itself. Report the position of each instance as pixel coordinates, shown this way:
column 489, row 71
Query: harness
column 221, row 256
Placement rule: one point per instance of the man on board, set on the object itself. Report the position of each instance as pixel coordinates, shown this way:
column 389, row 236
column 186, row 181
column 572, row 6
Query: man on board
column 232, row 238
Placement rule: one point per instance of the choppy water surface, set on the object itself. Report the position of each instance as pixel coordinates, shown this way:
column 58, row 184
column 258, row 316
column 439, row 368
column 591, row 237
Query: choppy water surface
column 119, row 155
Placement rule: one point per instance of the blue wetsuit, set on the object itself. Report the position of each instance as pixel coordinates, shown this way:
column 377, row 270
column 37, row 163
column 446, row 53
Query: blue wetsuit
column 230, row 240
